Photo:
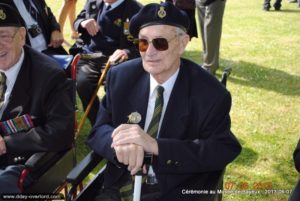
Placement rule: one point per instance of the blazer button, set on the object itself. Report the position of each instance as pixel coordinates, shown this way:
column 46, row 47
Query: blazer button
column 169, row 162
column 176, row 163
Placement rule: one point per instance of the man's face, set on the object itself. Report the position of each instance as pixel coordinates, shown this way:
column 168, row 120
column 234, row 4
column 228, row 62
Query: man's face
column 12, row 39
column 162, row 64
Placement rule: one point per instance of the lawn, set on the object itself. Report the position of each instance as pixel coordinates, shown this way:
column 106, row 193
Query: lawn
column 263, row 49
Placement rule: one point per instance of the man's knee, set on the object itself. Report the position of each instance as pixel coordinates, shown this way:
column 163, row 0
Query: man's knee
column 9, row 177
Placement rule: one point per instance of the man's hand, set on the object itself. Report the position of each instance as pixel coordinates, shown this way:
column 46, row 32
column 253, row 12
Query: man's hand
column 130, row 143
column 2, row 146
column 91, row 26
column 56, row 39
column 118, row 56
column 131, row 155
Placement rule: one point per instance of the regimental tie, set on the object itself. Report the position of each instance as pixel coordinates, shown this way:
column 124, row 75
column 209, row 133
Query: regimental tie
column 127, row 189
column 2, row 88
column 159, row 102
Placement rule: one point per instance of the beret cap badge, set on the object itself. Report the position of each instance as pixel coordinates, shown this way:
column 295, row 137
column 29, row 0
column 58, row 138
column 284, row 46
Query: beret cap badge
column 2, row 15
column 161, row 12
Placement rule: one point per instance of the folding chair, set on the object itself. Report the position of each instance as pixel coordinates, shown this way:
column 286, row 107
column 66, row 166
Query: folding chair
column 49, row 169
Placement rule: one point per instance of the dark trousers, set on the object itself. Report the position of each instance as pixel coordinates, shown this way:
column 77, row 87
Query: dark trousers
column 267, row 4
column 9, row 177
column 88, row 73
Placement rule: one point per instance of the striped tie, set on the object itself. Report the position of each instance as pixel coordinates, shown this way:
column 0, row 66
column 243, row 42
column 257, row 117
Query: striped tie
column 159, row 102
column 2, row 87
column 127, row 190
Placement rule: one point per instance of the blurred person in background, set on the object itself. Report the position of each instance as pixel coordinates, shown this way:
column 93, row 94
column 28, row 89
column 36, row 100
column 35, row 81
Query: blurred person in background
column 276, row 5
column 103, row 26
column 43, row 30
column 210, row 15
column 68, row 9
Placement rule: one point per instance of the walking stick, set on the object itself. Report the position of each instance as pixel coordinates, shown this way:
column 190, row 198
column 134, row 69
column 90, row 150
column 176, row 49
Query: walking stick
column 100, row 81
column 138, row 178
column 137, row 186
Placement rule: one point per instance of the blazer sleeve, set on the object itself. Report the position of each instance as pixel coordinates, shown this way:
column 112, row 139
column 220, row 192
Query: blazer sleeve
column 52, row 22
column 90, row 10
column 80, row 17
column 297, row 157
column 55, row 129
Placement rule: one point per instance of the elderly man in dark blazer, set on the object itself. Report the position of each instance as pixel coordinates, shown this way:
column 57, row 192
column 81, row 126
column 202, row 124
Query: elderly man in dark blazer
column 105, row 34
column 36, row 110
column 44, row 32
column 179, row 114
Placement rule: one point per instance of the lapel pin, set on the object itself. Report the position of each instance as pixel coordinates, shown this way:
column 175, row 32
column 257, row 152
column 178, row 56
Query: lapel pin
column 134, row 118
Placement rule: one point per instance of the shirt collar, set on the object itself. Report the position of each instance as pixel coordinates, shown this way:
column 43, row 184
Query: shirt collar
column 167, row 85
column 115, row 4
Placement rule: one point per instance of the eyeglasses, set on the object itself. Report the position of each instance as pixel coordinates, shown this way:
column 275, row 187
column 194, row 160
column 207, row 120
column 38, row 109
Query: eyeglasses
column 161, row 44
column 5, row 38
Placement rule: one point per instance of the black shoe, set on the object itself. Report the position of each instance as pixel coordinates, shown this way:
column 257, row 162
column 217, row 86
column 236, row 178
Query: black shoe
column 292, row 1
column 266, row 9
column 277, row 9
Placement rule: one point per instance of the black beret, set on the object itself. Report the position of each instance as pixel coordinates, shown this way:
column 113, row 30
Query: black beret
column 155, row 14
column 10, row 17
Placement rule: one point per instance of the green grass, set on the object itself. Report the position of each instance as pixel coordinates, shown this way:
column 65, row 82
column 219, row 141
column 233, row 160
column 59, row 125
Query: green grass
column 263, row 49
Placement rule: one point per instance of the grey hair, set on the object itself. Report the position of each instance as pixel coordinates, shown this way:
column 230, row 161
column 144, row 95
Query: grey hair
column 180, row 32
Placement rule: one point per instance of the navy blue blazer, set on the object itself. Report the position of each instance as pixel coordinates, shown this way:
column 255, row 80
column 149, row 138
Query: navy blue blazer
column 195, row 142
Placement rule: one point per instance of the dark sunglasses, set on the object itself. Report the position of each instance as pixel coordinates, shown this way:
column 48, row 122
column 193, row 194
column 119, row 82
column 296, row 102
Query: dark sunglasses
column 161, row 44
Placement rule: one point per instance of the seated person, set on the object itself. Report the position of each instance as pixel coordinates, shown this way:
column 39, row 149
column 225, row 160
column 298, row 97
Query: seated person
column 295, row 196
column 104, row 30
column 43, row 30
column 36, row 110
column 180, row 112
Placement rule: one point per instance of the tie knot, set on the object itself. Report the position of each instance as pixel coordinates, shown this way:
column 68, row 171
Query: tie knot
column 107, row 7
column 160, row 90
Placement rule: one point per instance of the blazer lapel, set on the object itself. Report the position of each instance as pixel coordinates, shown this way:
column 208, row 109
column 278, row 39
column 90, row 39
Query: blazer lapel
column 138, row 98
column 20, row 95
column 175, row 118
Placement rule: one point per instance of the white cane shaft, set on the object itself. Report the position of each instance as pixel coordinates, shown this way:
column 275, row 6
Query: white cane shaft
column 137, row 188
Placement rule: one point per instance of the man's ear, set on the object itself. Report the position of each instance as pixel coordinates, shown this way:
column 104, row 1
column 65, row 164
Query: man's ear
column 184, row 40
column 23, row 33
